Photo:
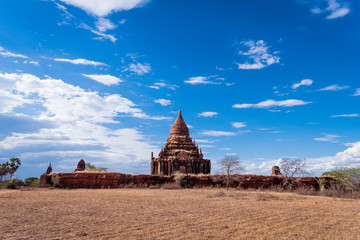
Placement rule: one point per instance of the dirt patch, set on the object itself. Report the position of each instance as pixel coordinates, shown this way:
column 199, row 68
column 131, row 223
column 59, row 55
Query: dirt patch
column 174, row 214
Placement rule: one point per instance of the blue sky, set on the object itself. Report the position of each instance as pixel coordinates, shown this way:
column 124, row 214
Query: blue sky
column 103, row 81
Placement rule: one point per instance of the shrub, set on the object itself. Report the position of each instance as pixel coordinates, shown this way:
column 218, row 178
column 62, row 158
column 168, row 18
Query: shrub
column 322, row 183
column 56, row 181
column 14, row 183
column 35, row 183
column 349, row 177
column 32, row 181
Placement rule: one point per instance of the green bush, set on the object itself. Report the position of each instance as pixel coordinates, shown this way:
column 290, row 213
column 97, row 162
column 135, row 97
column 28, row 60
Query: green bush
column 349, row 177
column 14, row 183
column 4, row 183
column 32, row 181
column 93, row 168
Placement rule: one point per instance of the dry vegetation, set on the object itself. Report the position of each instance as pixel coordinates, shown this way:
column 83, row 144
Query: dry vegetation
column 174, row 214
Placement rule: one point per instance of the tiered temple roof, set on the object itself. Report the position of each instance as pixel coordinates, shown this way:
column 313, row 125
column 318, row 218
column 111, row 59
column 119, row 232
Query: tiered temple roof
column 180, row 153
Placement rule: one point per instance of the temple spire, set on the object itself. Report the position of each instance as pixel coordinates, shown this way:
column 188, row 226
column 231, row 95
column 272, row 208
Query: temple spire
column 179, row 127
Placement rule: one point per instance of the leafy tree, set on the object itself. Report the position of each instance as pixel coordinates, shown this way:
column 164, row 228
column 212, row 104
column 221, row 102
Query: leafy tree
column 230, row 165
column 14, row 165
column 9, row 167
column 93, row 168
column 4, row 170
column 349, row 177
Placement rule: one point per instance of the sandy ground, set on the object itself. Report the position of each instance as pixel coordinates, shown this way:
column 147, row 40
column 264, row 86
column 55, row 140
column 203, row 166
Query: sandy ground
column 174, row 214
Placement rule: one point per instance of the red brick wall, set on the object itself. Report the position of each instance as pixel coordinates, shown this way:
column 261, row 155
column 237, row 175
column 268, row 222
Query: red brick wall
column 118, row 180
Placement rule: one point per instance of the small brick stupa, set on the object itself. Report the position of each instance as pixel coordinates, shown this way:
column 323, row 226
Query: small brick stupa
column 180, row 153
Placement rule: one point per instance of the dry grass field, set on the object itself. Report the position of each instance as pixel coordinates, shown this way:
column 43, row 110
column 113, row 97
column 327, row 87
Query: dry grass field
column 174, row 214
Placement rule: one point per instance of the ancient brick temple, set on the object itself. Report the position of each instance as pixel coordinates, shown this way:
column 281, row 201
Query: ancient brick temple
column 180, row 153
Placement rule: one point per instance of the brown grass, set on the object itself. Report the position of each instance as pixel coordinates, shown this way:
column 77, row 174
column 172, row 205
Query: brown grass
column 174, row 214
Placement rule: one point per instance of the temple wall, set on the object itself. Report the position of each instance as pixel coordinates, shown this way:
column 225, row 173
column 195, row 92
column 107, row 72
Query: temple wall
column 118, row 180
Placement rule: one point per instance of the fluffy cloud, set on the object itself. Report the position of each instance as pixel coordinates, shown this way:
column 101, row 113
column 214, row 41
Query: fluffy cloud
column 80, row 61
column 105, row 7
column 5, row 53
column 304, row 82
column 272, row 103
column 333, row 8
column 163, row 102
column 328, row 138
column 207, row 114
column 104, row 24
column 64, row 102
column 139, row 68
column 238, row 124
column 74, row 118
column 203, row 80
column 346, row 115
column 258, row 52
column 215, row 133
column 107, row 80
column 333, row 88
column 357, row 92
column 350, row 157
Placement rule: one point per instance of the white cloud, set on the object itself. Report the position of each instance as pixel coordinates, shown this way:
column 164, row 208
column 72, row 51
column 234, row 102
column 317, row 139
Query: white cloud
column 139, row 68
column 104, row 36
column 201, row 80
column 80, row 61
column 225, row 149
column 328, row 138
column 74, row 119
column 163, row 102
column 346, row 115
column 348, row 158
column 104, row 24
column 107, row 79
column 337, row 9
column 333, row 88
column 357, row 92
column 238, row 124
column 105, row 7
column 304, row 82
column 215, row 133
column 5, row 53
column 122, row 21
column 258, row 52
column 333, row 8
column 275, row 132
column 207, row 114
column 72, row 141
column 64, row 102
column 68, row 18
column 162, row 84
column 32, row 62
column 272, row 103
